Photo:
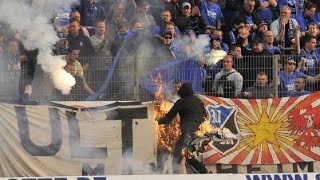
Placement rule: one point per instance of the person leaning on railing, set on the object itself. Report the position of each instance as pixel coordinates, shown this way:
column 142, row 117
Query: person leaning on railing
column 288, row 75
column 74, row 67
column 228, row 82
column 260, row 89
column 299, row 87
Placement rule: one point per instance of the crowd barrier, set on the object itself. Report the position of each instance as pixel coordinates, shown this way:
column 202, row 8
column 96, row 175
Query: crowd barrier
column 137, row 78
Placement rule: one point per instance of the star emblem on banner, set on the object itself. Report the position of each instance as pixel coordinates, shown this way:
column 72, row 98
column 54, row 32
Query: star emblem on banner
column 264, row 131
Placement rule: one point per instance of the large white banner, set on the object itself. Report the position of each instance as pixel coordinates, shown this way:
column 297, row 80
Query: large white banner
column 53, row 140
column 94, row 138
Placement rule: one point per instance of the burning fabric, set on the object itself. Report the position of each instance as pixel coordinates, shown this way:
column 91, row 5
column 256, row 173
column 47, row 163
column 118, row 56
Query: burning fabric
column 167, row 134
column 188, row 137
column 197, row 146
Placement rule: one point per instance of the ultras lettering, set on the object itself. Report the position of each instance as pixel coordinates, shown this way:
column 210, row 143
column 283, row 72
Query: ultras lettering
column 24, row 134
column 76, row 150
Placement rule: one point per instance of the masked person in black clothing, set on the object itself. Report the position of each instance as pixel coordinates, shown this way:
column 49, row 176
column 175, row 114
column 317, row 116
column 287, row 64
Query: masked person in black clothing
column 28, row 63
column 192, row 113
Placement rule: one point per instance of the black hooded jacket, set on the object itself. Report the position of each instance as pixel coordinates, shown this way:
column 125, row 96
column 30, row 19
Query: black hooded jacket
column 190, row 108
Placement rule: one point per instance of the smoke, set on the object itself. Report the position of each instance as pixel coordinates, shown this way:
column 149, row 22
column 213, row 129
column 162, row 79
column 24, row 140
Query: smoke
column 197, row 46
column 132, row 166
column 32, row 20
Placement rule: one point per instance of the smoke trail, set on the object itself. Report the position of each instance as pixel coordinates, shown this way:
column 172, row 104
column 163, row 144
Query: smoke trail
column 31, row 19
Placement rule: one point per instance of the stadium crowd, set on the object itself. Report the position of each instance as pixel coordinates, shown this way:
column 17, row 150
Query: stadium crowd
column 260, row 37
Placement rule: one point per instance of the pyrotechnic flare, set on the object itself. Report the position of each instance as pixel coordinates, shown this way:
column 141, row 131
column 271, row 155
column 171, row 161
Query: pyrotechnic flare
column 31, row 19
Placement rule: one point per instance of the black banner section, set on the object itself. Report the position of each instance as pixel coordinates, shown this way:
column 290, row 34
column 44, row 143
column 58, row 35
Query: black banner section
column 126, row 116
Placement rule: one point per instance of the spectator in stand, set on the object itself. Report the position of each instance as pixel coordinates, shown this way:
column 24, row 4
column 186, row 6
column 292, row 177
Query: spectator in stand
column 61, row 47
column 137, row 24
column 76, row 15
column 74, row 67
column 120, row 37
column 170, row 27
column 142, row 14
column 189, row 22
column 130, row 7
column 102, row 61
column 310, row 59
column 172, row 6
column 12, row 73
column 167, row 40
column 61, row 21
column 165, row 20
column 305, row 18
column 77, row 40
column 265, row 10
column 173, row 96
column 258, row 60
column 235, row 51
column 232, row 9
column 284, row 28
column 244, row 38
column 299, row 87
column 228, row 82
column 269, row 43
column 209, row 30
column 313, row 30
column 211, row 13
column 248, row 15
column 116, row 18
column 317, row 14
column 91, row 11
column 261, row 29
column 296, row 6
column 195, row 4
column 217, row 34
column 288, row 75
column 176, row 86
column 28, row 65
column 260, row 89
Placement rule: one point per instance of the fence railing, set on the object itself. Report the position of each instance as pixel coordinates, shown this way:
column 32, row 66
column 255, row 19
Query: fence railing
column 137, row 78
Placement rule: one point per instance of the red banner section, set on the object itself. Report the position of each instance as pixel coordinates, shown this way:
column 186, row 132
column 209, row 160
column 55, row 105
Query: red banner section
column 270, row 131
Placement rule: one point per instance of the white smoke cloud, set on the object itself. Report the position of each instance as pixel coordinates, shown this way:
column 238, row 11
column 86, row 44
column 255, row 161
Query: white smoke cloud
column 32, row 21
column 198, row 45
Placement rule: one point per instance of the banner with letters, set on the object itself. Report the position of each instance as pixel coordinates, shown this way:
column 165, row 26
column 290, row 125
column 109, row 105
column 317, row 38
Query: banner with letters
column 112, row 138
column 271, row 131
column 92, row 138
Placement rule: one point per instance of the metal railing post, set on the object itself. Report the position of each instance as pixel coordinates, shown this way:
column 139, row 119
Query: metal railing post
column 275, row 77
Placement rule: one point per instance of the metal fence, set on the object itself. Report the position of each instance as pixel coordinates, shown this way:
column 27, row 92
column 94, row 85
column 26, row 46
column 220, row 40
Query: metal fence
column 137, row 78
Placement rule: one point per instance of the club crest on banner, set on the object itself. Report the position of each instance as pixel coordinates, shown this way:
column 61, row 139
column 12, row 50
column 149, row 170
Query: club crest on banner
column 224, row 118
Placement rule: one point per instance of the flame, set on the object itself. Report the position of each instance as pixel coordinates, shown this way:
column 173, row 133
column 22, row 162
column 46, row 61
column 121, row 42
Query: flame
column 167, row 134
column 204, row 128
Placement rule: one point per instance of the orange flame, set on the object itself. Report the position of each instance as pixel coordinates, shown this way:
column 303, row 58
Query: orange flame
column 167, row 135
column 204, row 128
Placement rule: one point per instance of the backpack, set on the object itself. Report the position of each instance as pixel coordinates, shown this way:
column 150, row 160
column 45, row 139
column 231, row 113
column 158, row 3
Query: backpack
column 229, row 87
